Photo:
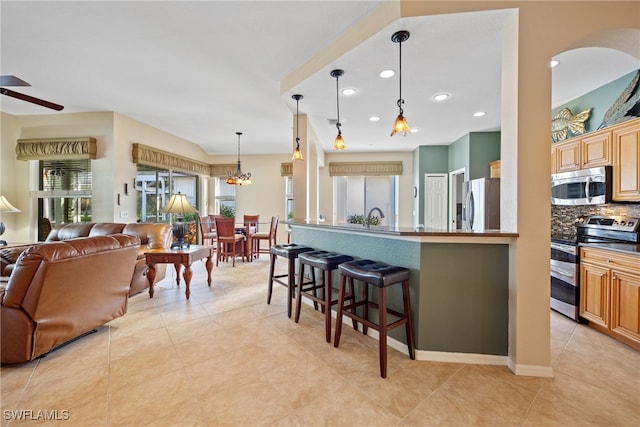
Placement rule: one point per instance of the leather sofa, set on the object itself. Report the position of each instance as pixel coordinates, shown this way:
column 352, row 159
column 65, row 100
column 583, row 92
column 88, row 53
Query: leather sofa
column 151, row 235
column 61, row 290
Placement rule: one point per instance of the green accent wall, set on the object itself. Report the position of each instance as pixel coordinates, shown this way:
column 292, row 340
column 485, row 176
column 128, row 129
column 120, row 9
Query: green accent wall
column 600, row 99
column 473, row 152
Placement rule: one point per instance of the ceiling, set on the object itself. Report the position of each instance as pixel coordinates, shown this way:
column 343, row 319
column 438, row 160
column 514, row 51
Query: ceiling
column 205, row 70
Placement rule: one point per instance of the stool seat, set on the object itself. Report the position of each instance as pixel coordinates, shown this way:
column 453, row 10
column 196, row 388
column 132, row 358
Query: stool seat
column 290, row 251
column 326, row 262
column 379, row 275
column 375, row 273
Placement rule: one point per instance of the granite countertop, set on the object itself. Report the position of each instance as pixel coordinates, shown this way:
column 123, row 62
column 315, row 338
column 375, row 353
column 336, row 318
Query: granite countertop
column 405, row 231
column 628, row 248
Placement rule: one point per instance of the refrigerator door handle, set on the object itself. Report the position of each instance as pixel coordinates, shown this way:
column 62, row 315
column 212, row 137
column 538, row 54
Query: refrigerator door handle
column 472, row 209
column 468, row 210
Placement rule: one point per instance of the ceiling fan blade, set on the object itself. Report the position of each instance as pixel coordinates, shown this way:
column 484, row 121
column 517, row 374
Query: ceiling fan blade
column 12, row 81
column 31, row 99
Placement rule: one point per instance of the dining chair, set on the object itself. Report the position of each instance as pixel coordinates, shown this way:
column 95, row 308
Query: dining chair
column 208, row 229
column 270, row 236
column 251, row 223
column 229, row 243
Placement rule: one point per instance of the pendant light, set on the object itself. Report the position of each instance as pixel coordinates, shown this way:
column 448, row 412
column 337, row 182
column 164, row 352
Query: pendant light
column 297, row 154
column 400, row 125
column 339, row 142
column 239, row 178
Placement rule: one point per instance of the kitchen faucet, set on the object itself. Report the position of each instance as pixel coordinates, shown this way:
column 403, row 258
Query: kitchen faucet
column 367, row 222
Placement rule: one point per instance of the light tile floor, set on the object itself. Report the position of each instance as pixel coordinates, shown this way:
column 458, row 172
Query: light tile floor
column 226, row 358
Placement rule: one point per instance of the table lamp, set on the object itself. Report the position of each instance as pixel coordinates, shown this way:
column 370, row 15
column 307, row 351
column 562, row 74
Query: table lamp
column 5, row 206
column 179, row 204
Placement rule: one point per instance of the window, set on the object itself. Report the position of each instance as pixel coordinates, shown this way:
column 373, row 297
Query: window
column 288, row 191
column 154, row 187
column 64, row 193
column 225, row 198
column 355, row 196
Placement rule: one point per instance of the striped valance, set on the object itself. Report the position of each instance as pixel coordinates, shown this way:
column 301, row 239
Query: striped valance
column 365, row 168
column 286, row 169
column 223, row 169
column 150, row 156
column 68, row 148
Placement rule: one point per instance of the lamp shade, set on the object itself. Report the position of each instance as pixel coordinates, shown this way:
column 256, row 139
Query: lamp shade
column 5, row 206
column 178, row 204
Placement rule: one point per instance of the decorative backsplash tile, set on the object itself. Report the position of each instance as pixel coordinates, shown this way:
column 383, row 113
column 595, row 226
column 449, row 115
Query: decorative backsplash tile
column 563, row 218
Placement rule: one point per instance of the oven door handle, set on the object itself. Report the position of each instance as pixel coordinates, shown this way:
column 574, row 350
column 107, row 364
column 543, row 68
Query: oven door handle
column 562, row 272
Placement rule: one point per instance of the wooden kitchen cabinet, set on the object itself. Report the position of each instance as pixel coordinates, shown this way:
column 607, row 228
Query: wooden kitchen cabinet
column 568, row 156
column 586, row 151
column 626, row 161
column 596, row 149
column 610, row 293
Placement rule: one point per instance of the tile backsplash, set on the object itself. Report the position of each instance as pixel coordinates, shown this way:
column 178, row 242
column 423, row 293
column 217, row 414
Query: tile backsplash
column 564, row 217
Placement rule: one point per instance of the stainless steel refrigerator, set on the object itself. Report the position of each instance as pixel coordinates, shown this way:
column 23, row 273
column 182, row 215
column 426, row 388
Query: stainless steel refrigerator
column 481, row 204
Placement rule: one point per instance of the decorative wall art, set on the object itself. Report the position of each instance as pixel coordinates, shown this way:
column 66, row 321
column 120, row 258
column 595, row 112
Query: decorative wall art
column 626, row 107
column 565, row 121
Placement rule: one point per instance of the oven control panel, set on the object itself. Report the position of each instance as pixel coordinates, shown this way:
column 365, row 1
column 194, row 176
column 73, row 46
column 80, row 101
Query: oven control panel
column 612, row 223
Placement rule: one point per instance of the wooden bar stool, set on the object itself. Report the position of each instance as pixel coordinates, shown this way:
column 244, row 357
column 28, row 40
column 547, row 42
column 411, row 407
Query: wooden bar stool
column 326, row 262
column 381, row 276
column 290, row 251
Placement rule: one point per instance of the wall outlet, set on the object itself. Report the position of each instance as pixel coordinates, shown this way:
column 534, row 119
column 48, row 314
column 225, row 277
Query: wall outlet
column 124, row 214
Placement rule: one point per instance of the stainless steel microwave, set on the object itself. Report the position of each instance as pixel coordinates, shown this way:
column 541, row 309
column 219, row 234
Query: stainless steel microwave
column 582, row 187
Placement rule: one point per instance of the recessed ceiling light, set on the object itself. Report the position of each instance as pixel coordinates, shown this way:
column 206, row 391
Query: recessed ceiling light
column 414, row 130
column 387, row 73
column 554, row 63
column 348, row 91
column 441, row 97
column 479, row 114
column 374, row 118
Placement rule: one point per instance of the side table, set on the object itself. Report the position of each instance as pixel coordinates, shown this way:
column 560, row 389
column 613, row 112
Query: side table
column 179, row 257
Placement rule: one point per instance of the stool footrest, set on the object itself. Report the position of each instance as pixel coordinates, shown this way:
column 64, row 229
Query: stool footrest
column 368, row 322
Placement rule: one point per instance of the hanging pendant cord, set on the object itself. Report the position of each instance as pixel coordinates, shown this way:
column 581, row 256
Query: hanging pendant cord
column 338, row 104
column 400, row 100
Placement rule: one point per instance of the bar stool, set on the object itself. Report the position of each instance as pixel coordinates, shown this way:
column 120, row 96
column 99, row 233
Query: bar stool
column 326, row 262
column 291, row 252
column 381, row 276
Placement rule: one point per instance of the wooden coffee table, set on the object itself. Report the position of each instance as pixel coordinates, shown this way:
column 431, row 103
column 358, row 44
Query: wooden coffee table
column 179, row 257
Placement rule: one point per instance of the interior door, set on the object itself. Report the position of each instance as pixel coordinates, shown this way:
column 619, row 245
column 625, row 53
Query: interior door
column 435, row 201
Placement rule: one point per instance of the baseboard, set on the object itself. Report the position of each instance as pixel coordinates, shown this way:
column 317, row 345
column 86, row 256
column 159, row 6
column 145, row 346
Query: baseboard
column 530, row 370
column 452, row 357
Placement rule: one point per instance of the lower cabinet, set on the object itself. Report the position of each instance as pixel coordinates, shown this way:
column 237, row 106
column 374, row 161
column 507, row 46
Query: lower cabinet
column 610, row 293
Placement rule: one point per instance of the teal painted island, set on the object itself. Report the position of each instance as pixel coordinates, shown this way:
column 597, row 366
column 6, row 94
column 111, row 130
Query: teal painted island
column 459, row 283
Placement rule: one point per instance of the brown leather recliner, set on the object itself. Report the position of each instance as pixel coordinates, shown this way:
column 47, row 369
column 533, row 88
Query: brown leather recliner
column 151, row 235
column 61, row 290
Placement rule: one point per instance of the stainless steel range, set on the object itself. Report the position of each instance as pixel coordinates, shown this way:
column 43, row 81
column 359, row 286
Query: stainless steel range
column 565, row 262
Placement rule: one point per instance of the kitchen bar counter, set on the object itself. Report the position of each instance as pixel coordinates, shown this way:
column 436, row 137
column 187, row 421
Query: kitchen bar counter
column 459, row 283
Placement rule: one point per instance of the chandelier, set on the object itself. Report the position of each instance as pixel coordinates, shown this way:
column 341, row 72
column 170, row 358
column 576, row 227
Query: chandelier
column 239, row 178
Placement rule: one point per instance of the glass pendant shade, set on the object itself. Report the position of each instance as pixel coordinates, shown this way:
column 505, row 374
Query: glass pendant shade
column 400, row 125
column 338, row 144
column 297, row 154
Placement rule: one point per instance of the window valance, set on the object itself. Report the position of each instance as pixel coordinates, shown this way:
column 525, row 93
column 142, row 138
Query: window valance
column 286, row 169
column 221, row 169
column 149, row 156
column 365, row 168
column 68, row 148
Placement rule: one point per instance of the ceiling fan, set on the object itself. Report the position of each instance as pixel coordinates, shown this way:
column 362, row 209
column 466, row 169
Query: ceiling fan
column 14, row 81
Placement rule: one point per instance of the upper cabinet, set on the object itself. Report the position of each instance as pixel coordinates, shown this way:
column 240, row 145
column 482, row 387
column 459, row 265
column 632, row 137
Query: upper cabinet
column 626, row 161
column 584, row 151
